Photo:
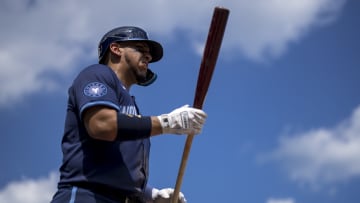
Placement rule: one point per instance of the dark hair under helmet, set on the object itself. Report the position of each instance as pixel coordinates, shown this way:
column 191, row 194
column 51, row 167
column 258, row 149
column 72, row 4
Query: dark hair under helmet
column 130, row 33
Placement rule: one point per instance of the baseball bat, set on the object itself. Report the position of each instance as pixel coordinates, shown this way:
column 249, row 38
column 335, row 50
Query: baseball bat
column 207, row 66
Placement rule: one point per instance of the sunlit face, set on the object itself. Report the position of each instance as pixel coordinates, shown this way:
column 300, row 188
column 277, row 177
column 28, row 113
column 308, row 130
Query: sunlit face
column 137, row 56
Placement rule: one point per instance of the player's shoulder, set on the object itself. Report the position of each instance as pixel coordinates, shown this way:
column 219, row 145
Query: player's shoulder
column 96, row 71
column 98, row 74
column 98, row 68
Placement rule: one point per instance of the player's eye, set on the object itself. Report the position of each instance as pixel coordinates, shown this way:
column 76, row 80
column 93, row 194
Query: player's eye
column 140, row 49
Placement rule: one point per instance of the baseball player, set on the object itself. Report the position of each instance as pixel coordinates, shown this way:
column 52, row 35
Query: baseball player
column 106, row 141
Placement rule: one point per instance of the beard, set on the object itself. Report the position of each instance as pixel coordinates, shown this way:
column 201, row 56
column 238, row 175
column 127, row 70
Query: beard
column 139, row 74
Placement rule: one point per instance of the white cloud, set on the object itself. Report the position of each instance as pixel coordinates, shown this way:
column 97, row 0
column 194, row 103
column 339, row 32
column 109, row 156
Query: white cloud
column 262, row 29
column 282, row 200
column 324, row 155
column 30, row 190
column 39, row 37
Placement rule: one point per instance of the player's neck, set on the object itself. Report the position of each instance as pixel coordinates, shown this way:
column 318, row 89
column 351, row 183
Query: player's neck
column 122, row 76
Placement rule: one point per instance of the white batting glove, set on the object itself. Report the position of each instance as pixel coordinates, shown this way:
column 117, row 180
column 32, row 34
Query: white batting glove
column 165, row 195
column 183, row 120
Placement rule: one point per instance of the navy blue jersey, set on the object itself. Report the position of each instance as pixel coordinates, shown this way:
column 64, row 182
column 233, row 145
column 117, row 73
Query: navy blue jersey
column 120, row 166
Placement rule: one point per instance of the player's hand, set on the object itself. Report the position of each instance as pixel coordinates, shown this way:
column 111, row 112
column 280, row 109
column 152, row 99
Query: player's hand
column 165, row 195
column 183, row 120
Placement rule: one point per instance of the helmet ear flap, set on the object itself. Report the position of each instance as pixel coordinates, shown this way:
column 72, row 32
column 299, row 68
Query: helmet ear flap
column 150, row 78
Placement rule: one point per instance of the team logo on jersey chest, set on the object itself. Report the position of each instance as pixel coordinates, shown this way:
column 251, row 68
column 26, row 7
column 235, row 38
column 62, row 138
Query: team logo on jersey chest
column 95, row 89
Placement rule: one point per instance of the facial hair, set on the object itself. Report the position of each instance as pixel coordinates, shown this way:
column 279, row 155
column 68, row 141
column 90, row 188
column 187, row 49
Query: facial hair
column 139, row 75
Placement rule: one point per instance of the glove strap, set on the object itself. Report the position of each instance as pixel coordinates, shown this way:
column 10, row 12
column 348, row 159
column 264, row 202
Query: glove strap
column 164, row 121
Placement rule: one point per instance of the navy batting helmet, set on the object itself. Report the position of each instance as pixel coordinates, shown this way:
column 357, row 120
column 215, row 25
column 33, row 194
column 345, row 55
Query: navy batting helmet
column 129, row 33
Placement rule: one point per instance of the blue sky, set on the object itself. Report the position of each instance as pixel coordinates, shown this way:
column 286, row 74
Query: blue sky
column 283, row 104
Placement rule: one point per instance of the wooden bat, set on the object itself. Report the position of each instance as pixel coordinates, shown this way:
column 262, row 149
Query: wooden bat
column 207, row 66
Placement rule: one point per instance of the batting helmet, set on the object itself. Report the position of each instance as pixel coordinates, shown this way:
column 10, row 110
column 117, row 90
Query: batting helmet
column 129, row 33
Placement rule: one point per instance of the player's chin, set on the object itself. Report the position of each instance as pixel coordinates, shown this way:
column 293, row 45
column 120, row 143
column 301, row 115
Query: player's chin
column 141, row 76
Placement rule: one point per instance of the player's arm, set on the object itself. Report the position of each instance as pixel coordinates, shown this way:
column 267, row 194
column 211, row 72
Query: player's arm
column 105, row 123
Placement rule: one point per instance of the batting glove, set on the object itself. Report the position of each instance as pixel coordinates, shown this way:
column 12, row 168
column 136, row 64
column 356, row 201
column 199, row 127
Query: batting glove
column 184, row 120
column 165, row 195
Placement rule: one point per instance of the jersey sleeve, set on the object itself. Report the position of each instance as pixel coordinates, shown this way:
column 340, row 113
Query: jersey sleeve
column 96, row 85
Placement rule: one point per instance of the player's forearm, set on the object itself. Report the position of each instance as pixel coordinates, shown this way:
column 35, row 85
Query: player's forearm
column 131, row 127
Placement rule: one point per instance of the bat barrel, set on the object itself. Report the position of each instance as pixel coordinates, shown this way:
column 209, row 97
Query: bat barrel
column 210, row 55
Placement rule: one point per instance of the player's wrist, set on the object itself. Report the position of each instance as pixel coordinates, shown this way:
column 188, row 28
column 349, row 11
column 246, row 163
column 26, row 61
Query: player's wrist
column 156, row 127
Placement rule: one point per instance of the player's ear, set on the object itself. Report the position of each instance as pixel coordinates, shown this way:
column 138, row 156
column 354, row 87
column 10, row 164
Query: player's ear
column 116, row 49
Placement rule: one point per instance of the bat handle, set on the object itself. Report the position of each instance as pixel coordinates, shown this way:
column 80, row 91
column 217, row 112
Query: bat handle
column 182, row 168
